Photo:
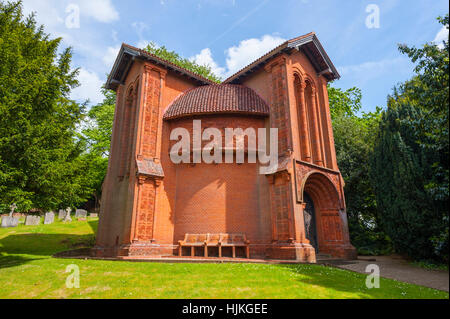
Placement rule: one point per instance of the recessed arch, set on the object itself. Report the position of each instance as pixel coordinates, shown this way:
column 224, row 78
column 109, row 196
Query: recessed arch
column 128, row 127
column 327, row 206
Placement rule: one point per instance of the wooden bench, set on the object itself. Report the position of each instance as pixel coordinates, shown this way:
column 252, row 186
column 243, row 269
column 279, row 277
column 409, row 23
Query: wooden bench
column 193, row 240
column 214, row 240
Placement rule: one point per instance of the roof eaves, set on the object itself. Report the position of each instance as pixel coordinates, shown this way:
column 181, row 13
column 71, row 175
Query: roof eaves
column 295, row 43
column 298, row 43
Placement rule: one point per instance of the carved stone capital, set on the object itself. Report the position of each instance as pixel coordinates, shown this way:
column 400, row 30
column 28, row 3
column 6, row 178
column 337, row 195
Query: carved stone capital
column 280, row 60
column 150, row 67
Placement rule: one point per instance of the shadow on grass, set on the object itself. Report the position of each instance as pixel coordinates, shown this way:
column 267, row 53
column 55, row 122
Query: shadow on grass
column 13, row 261
column 344, row 281
column 44, row 244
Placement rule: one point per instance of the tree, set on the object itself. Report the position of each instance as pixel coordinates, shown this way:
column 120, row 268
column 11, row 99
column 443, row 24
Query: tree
column 39, row 153
column 354, row 136
column 410, row 161
column 175, row 58
column 97, row 134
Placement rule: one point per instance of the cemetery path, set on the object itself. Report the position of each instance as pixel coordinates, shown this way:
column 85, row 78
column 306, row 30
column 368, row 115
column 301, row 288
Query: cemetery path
column 396, row 267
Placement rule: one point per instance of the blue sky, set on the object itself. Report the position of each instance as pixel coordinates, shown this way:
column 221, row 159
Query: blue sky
column 229, row 34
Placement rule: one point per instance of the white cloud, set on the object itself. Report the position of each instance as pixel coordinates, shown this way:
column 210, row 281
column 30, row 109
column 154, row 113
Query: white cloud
column 52, row 12
column 49, row 13
column 110, row 55
column 205, row 58
column 249, row 50
column 237, row 57
column 141, row 44
column 441, row 36
column 100, row 10
column 90, row 87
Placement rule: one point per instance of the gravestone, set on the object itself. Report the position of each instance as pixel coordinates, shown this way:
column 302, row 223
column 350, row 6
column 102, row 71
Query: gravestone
column 49, row 218
column 9, row 221
column 93, row 215
column 13, row 208
column 62, row 214
column 67, row 218
column 80, row 213
column 31, row 220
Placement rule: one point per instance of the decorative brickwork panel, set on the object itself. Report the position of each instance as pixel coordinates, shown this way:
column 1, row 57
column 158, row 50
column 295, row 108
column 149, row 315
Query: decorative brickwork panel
column 281, row 209
column 146, row 209
column 151, row 113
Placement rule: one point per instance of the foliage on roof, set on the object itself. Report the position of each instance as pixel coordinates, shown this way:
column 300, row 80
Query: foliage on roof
column 171, row 56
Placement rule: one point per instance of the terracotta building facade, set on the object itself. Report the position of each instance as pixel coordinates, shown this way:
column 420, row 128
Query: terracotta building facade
column 149, row 203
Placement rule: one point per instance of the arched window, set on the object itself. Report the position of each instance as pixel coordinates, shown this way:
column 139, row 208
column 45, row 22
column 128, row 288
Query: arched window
column 308, row 125
column 127, row 131
column 303, row 123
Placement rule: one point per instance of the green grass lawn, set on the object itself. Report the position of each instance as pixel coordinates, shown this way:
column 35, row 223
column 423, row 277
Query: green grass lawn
column 27, row 270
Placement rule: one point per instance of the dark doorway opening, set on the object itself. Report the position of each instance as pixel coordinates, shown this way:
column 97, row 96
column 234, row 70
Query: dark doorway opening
column 309, row 215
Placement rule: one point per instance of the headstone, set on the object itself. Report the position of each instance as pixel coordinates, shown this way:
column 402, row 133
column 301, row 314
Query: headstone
column 67, row 218
column 62, row 214
column 93, row 215
column 9, row 221
column 49, row 218
column 32, row 220
column 13, row 208
column 80, row 213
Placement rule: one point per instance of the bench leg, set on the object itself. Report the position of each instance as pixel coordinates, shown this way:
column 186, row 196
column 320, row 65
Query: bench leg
column 234, row 251
column 192, row 251
column 248, row 252
column 206, row 251
column 220, row 251
column 180, row 251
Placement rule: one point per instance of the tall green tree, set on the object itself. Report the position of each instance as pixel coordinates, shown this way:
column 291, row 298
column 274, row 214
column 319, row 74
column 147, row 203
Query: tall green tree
column 354, row 136
column 39, row 153
column 410, row 161
column 97, row 134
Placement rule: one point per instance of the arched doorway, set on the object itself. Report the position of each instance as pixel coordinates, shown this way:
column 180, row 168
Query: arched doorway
column 309, row 216
column 324, row 226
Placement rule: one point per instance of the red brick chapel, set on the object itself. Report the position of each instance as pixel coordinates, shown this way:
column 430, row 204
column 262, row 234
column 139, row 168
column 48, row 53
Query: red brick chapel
column 152, row 207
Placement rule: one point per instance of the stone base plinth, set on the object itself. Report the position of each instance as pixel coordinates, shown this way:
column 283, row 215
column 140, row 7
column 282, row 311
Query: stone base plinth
column 295, row 251
column 277, row 251
column 136, row 249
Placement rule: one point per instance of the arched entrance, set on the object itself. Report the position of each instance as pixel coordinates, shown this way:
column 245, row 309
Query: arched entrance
column 309, row 216
column 323, row 208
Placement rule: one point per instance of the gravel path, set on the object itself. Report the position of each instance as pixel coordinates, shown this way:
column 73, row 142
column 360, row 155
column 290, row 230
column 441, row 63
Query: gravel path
column 395, row 267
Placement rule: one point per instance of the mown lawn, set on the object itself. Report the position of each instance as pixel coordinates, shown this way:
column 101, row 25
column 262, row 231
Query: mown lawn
column 27, row 270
